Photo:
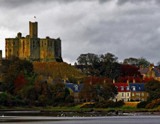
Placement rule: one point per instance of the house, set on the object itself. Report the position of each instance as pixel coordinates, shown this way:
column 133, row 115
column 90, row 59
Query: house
column 138, row 92
column 74, row 90
column 123, row 92
column 150, row 72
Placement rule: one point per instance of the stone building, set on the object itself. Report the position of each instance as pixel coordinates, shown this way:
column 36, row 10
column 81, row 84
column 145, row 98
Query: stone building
column 33, row 48
column 150, row 72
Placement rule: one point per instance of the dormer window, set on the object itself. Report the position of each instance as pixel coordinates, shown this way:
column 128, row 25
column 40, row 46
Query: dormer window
column 133, row 88
column 76, row 87
column 122, row 88
column 127, row 88
column 139, row 88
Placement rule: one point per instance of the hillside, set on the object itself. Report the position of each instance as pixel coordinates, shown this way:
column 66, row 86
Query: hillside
column 57, row 70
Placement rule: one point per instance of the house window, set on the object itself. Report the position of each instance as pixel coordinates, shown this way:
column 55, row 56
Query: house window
column 127, row 88
column 142, row 94
column 137, row 94
column 122, row 94
column 122, row 88
column 127, row 94
column 133, row 88
column 132, row 94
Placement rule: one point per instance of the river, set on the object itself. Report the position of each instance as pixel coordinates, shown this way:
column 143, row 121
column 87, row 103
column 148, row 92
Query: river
column 80, row 120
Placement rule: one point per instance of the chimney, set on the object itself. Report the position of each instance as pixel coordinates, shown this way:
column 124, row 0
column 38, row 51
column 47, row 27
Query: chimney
column 127, row 81
column 113, row 80
column 151, row 66
column 134, row 81
column 78, row 82
column 141, row 67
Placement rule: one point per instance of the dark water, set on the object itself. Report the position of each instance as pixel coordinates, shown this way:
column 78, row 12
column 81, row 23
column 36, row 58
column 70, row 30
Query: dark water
column 81, row 120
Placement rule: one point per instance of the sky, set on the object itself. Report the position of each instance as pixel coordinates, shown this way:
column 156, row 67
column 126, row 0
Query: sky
column 125, row 28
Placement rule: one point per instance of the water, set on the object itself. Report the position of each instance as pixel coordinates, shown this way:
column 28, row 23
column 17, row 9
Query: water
column 80, row 120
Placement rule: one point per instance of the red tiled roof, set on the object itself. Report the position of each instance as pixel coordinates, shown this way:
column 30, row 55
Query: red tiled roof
column 122, row 87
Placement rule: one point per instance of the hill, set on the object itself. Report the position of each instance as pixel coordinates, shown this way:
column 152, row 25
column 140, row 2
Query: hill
column 57, row 70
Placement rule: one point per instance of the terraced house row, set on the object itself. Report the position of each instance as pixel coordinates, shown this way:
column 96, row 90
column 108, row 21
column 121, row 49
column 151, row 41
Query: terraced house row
column 131, row 92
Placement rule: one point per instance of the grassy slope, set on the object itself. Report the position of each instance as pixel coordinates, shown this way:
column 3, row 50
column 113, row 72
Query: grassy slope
column 57, row 70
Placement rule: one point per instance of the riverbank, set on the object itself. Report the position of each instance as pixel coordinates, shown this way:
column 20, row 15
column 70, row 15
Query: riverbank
column 75, row 111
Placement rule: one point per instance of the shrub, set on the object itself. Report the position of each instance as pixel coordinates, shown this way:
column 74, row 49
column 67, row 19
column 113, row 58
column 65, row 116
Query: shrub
column 109, row 104
column 142, row 104
column 153, row 104
column 4, row 99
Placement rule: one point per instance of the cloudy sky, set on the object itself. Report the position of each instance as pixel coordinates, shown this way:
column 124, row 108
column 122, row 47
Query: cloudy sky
column 126, row 28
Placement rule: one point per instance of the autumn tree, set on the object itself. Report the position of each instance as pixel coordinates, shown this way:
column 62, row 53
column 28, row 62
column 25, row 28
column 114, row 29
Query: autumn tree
column 153, row 88
column 108, row 91
column 14, row 70
column 88, row 93
column 129, row 70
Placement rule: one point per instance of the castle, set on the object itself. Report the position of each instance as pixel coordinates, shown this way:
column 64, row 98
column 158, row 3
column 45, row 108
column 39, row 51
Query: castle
column 33, row 48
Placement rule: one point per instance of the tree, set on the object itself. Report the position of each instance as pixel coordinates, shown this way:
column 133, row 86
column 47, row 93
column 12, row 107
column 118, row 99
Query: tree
column 88, row 93
column 100, row 65
column 57, row 90
column 129, row 70
column 153, row 88
column 108, row 91
column 143, row 62
column 14, row 70
column 131, row 61
column 108, row 57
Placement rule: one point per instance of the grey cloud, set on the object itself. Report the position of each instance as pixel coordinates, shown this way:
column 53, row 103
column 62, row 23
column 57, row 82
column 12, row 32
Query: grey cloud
column 121, row 2
column 96, row 27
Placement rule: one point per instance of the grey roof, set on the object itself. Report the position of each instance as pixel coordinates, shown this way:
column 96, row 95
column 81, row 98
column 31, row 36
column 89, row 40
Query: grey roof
column 145, row 70
column 137, row 87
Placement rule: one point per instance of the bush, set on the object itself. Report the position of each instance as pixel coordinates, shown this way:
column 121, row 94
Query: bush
column 4, row 99
column 142, row 104
column 153, row 104
column 109, row 104
column 17, row 101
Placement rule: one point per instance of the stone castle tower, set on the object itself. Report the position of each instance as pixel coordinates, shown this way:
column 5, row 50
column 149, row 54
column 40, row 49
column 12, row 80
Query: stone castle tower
column 33, row 48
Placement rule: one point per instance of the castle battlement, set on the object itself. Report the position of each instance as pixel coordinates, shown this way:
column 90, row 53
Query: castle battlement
column 33, row 48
